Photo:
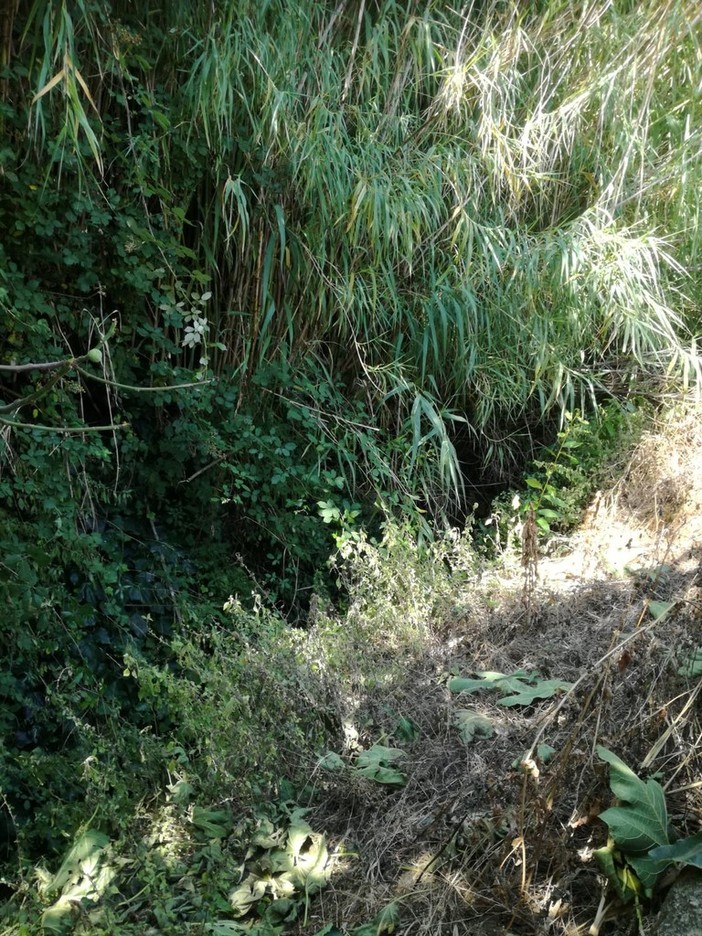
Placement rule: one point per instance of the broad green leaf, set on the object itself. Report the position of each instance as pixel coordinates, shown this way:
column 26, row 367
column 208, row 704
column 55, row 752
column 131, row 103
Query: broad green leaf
column 181, row 791
column 472, row 725
column 214, row 823
column 225, row 928
column 519, row 689
column 686, row 851
column 647, row 870
column 406, row 729
column 642, row 821
column 246, row 894
column 489, row 680
column 267, row 836
column 283, row 910
column 276, row 861
column 58, row 919
column 636, row 827
column 542, row 690
column 379, row 755
column 384, row 922
column 299, row 832
column 85, row 849
column 386, row 775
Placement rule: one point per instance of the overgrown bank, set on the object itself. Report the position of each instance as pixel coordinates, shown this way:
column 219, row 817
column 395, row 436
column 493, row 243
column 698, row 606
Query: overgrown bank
column 274, row 277
column 438, row 756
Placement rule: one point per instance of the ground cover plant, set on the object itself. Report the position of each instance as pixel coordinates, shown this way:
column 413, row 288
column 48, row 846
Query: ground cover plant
column 286, row 289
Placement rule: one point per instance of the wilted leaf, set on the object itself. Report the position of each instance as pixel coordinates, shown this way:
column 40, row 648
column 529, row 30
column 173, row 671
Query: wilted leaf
column 692, row 667
column 377, row 764
column 472, row 725
column 521, row 688
column 389, row 776
column 659, row 608
column 214, row 823
column 609, row 861
column 87, row 847
column 384, row 922
column 332, row 761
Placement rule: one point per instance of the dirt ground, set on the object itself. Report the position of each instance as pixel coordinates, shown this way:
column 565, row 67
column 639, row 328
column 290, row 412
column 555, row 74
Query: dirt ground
column 496, row 836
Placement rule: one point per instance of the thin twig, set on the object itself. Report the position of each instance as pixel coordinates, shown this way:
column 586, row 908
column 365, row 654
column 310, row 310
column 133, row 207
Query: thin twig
column 65, row 429
column 121, row 386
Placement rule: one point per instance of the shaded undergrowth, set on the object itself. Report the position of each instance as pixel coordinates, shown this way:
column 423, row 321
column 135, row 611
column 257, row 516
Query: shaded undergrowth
column 324, row 781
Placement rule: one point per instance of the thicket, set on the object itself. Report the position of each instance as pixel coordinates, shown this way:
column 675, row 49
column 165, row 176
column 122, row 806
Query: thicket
column 272, row 272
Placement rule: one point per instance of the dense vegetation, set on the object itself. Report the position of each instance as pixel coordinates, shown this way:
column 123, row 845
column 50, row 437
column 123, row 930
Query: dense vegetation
column 271, row 274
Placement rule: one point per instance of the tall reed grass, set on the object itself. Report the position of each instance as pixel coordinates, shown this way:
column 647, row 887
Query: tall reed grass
column 479, row 214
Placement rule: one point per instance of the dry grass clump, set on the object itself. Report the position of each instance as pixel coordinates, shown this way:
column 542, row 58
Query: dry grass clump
column 660, row 486
column 474, row 842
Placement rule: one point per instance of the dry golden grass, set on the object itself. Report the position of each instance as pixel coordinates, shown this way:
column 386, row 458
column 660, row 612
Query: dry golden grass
column 471, row 844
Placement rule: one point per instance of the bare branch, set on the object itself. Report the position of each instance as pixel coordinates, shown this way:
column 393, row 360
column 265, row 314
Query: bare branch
column 65, row 429
column 44, row 366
